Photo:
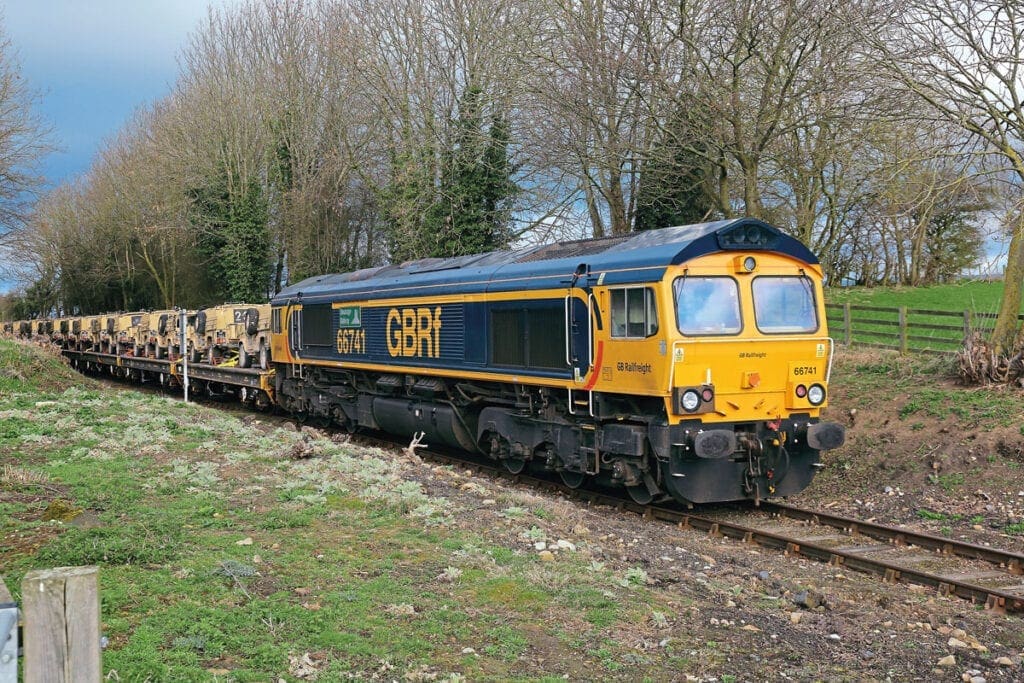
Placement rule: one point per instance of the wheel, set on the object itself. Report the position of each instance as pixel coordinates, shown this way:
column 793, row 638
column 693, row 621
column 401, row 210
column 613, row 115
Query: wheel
column 573, row 480
column 640, row 494
column 244, row 359
column 514, row 465
column 264, row 356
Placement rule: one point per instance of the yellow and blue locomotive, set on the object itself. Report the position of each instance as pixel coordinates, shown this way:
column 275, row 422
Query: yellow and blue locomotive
column 691, row 362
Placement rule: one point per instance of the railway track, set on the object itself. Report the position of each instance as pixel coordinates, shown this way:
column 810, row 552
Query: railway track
column 981, row 574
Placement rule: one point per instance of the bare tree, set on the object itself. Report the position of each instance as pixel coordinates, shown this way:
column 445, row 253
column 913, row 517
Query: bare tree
column 24, row 140
column 591, row 102
column 964, row 59
column 768, row 85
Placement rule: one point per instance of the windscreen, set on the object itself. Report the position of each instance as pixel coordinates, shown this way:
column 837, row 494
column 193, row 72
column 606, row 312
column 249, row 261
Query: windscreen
column 784, row 305
column 707, row 305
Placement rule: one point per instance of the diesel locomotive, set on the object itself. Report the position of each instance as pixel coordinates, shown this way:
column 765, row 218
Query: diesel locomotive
column 689, row 362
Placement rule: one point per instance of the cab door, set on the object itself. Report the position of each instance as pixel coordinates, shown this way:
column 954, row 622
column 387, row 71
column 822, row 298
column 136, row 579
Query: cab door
column 284, row 332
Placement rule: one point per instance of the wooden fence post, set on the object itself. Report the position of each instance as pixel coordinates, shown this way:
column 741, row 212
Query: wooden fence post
column 8, row 635
column 847, row 324
column 903, row 330
column 61, row 610
column 967, row 324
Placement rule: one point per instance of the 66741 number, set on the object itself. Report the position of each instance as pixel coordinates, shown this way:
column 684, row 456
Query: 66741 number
column 351, row 341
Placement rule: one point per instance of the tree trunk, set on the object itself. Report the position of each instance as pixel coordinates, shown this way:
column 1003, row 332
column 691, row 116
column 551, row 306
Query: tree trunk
column 1005, row 330
column 617, row 204
column 751, row 193
column 595, row 214
column 279, row 271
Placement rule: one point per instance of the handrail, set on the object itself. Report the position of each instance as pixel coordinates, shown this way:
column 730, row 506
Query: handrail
column 568, row 333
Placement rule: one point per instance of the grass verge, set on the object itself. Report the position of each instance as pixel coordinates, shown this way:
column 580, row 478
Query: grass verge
column 223, row 558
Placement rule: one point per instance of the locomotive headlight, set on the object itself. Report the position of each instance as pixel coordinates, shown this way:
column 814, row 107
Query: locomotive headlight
column 690, row 400
column 749, row 264
column 816, row 395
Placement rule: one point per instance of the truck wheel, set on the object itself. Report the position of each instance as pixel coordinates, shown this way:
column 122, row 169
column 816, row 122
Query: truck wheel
column 264, row 356
column 244, row 359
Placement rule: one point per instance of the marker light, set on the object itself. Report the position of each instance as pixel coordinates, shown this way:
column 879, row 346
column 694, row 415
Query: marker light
column 801, row 391
column 816, row 395
column 706, row 395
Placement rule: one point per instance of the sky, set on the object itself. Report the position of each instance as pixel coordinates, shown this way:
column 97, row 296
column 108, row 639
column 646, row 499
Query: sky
column 94, row 63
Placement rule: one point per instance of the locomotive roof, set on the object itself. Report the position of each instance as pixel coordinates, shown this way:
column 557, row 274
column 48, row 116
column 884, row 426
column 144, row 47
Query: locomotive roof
column 620, row 259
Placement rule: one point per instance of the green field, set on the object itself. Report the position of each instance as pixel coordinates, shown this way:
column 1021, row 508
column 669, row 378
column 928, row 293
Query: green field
column 974, row 296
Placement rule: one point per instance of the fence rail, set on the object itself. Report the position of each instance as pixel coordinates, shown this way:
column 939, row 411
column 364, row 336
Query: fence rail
column 903, row 329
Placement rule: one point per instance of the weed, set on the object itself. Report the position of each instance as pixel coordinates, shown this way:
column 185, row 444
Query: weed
column 450, row 574
column 514, row 512
column 1017, row 528
column 934, row 516
column 634, row 576
column 948, row 482
column 194, row 643
column 978, row 519
column 659, row 620
column 198, row 474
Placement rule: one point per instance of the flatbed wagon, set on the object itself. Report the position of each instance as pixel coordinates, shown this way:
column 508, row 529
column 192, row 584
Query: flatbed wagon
column 250, row 385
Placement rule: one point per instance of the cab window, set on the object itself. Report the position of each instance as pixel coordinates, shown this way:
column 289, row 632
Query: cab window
column 707, row 305
column 784, row 305
column 634, row 313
